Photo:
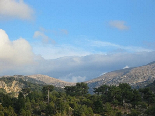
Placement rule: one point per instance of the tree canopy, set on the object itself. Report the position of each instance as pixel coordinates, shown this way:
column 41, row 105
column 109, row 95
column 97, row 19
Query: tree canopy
column 76, row 101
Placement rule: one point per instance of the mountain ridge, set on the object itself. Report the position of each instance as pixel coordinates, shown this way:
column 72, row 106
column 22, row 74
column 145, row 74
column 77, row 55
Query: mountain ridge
column 42, row 79
column 137, row 77
column 50, row 80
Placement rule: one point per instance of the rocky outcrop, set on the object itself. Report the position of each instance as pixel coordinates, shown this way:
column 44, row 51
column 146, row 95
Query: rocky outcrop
column 12, row 87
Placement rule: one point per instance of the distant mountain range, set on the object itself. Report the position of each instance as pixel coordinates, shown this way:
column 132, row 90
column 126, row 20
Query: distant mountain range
column 137, row 77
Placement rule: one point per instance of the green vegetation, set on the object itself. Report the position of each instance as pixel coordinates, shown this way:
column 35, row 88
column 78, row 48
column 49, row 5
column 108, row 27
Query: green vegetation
column 152, row 86
column 47, row 100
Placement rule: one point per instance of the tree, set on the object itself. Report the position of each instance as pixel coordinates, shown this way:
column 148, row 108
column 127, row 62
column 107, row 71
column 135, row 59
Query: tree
column 102, row 89
column 136, row 98
column 114, row 95
column 81, row 88
column 78, row 90
column 46, row 89
column 20, row 102
column 82, row 110
column 150, row 111
column 147, row 95
column 108, row 110
column 98, row 106
column 70, row 90
column 5, row 100
column 22, row 112
column 11, row 112
column 50, row 109
column 26, row 91
column 126, row 92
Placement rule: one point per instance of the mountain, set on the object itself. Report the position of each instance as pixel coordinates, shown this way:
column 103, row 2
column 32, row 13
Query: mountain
column 137, row 77
column 43, row 79
column 50, row 80
column 14, row 84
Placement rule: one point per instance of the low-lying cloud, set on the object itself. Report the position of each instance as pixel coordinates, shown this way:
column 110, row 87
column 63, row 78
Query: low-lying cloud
column 91, row 66
column 72, row 78
column 17, row 57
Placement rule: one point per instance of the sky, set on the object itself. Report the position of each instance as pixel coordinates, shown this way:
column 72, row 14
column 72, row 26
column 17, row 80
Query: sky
column 75, row 40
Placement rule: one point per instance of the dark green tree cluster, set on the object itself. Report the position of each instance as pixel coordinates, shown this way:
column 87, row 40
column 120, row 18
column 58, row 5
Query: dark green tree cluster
column 47, row 102
column 76, row 101
column 79, row 90
column 133, row 101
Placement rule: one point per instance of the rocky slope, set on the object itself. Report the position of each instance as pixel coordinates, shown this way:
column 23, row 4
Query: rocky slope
column 13, row 87
column 137, row 77
column 51, row 81
column 14, row 84
column 42, row 79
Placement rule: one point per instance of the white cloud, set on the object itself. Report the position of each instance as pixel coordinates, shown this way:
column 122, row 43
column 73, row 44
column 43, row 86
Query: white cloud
column 14, row 53
column 126, row 67
column 85, row 47
column 72, row 78
column 118, row 24
column 15, row 9
column 16, row 57
column 56, row 51
column 116, row 46
column 87, row 67
column 43, row 37
column 102, row 44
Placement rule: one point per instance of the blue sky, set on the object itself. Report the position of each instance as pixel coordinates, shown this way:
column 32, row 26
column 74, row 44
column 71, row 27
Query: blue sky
column 73, row 38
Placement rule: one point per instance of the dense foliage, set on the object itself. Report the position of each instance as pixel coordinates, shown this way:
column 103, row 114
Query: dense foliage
column 76, row 101
column 152, row 86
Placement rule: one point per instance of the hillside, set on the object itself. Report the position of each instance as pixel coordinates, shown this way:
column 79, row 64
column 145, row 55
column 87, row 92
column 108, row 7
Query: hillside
column 43, row 79
column 13, row 85
column 50, row 80
column 137, row 77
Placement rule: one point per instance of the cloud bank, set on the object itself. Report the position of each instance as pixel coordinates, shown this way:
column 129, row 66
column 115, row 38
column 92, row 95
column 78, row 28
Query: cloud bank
column 76, row 68
column 15, row 9
column 17, row 57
